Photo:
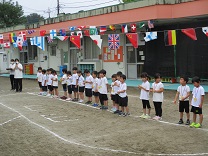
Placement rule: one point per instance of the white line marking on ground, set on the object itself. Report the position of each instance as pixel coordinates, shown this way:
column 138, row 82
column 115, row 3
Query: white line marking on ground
column 12, row 94
column 56, row 117
column 51, row 119
column 63, row 139
column 9, row 121
column 33, row 110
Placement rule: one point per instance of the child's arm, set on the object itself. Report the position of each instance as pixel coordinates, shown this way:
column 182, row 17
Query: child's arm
column 202, row 101
column 76, row 83
column 159, row 91
column 121, row 91
column 176, row 97
column 188, row 94
column 140, row 87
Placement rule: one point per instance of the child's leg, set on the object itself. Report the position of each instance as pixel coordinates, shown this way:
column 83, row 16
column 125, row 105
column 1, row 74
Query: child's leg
column 160, row 109
column 122, row 109
column 65, row 93
column 97, row 99
column 149, row 108
column 188, row 116
column 194, row 117
column 156, row 108
column 127, row 109
column 181, row 115
column 70, row 95
column 57, row 94
column 144, row 106
column 114, row 104
column 82, row 96
column 106, row 103
column 200, row 118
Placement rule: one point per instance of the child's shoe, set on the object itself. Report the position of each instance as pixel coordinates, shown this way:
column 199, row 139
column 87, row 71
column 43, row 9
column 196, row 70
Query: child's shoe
column 155, row 118
column 188, row 122
column 68, row 99
column 81, row 101
column 95, row 105
column 197, row 125
column 142, row 116
column 192, row 124
column 147, row 116
column 180, row 121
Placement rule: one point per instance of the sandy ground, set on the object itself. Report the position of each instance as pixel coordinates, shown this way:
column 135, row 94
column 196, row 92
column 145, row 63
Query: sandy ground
column 40, row 126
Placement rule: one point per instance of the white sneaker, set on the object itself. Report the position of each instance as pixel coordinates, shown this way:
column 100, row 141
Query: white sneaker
column 142, row 116
column 147, row 116
column 48, row 95
column 155, row 118
column 81, row 101
column 68, row 99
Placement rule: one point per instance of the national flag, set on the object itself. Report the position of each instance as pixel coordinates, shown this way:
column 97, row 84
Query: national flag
column 112, row 27
column 103, row 29
column 72, row 33
column 113, row 41
column 150, row 24
column 150, row 36
column 62, row 38
column 11, row 35
column 72, row 28
column 62, row 32
column 124, row 28
column 79, row 33
column 23, row 35
column 1, row 38
column 15, row 45
column 40, row 42
column 93, row 30
column 32, row 41
column 25, row 44
column 190, row 32
column 205, row 31
column 52, row 33
column 30, row 31
column 7, row 44
column 76, row 41
column 81, row 27
column 97, row 40
column 87, row 32
column 19, row 42
column 42, row 32
column 170, row 37
column 133, row 38
column 49, row 39
column 133, row 27
column 141, row 25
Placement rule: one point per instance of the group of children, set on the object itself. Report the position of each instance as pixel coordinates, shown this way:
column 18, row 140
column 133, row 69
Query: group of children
column 96, row 85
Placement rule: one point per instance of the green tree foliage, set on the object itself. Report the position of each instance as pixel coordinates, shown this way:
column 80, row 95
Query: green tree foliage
column 34, row 18
column 11, row 14
column 128, row 1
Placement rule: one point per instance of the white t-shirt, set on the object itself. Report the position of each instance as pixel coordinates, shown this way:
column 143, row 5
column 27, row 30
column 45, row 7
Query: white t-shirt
column 95, row 84
column 50, row 76
column 116, row 88
column 39, row 77
column 144, row 95
column 157, row 97
column 17, row 73
column 55, row 83
column 69, row 80
column 183, row 92
column 74, row 79
column 197, row 94
column 43, row 80
column 64, row 77
column 89, row 79
column 81, row 81
column 122, row 87
column 102, row 87
column 12, row 66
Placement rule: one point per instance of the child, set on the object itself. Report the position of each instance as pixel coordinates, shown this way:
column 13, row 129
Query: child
column 157, row 89
column 123, row 96
column 75, row 84
column 197, row 102
column 144, row 96
column 63, row 82
column 44, row 83
column 183, row 92
column 49, row 82
column 81, row 86
column 113, row 94
column 88, row 86
column 95, row 88
column 69, row 84
column 39, row 79
column 55, row 84
column 103, row 89
column 116, row 86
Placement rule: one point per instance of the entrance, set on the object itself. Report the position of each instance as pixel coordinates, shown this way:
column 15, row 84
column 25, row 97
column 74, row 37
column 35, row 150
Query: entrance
column 135, row 61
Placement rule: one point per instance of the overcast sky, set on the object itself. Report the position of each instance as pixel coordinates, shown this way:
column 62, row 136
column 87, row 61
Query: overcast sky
column 67, row 6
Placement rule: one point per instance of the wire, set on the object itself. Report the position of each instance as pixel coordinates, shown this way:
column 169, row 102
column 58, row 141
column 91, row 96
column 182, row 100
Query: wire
column 79, row 2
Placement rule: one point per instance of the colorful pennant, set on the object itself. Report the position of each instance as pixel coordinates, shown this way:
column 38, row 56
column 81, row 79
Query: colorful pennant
column 170, row 37
column 133, row 38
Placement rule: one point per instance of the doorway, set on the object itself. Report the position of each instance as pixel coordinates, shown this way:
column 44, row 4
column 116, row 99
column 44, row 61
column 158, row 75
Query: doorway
column 23, row 57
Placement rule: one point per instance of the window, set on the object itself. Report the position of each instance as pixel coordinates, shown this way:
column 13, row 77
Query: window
column 91, row 50
column 53, row 50
column 32, row 52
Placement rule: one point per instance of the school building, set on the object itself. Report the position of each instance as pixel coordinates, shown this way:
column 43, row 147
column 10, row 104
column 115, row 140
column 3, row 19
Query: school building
column 187, row 57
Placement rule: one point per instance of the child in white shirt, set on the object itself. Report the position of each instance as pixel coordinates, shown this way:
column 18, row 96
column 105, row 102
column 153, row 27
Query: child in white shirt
column 44, row 82
column 183, row 92
column 157, row 89
column 64, row 85
column 81, row 86
column 88, row 86
column 49, row 82
column 95, row 88
column 39, row 78
column 113, row 94
column 144, row 96
column 69, row 84
column 75, row 83
column 123, row 97
column 55, row 84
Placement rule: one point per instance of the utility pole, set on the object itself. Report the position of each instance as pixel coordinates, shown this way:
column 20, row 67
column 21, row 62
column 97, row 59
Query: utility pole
column 49, row 12
column 58, row 7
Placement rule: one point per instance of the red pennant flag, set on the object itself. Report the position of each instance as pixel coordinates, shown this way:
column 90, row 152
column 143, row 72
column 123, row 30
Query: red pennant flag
column 133, row 27
column 81, row 27
column 23, row 35
column 133, row 38
column 190, row 32
column 76, row 41
column 87, row 32
column 42, row 32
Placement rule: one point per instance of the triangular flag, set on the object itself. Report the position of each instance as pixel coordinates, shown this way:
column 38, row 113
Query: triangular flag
column 97, row 40
column 141, row 25
column 103, row 29
column 53, row 33
column 150, row 24
column 133, row 38
column 32, row 41
column 87, row 32
column 40, row 42
column 93, row 30
column 23, row 35
column 170, row 37
column 42, row 32
column 62, row 38
column 205, row 31
column 72, row 28
column 76, row 41
column 19, row 42
column 190, row 32
column 81, row 27
column 15, row 45
column 124, row 28
column 30, row 31
column 150, row 36
column 112, row 27
column 62, row 32
column 133, row 27
column 1, row 38
column 79, row 33
column 7, row 44
column 49, row 39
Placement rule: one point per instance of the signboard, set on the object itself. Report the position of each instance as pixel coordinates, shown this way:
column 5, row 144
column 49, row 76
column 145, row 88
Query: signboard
column 112, row 55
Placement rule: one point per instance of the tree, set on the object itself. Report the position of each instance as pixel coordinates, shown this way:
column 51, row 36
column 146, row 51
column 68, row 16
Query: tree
column 34, row 18
column 11, row 14
column 128, row 1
